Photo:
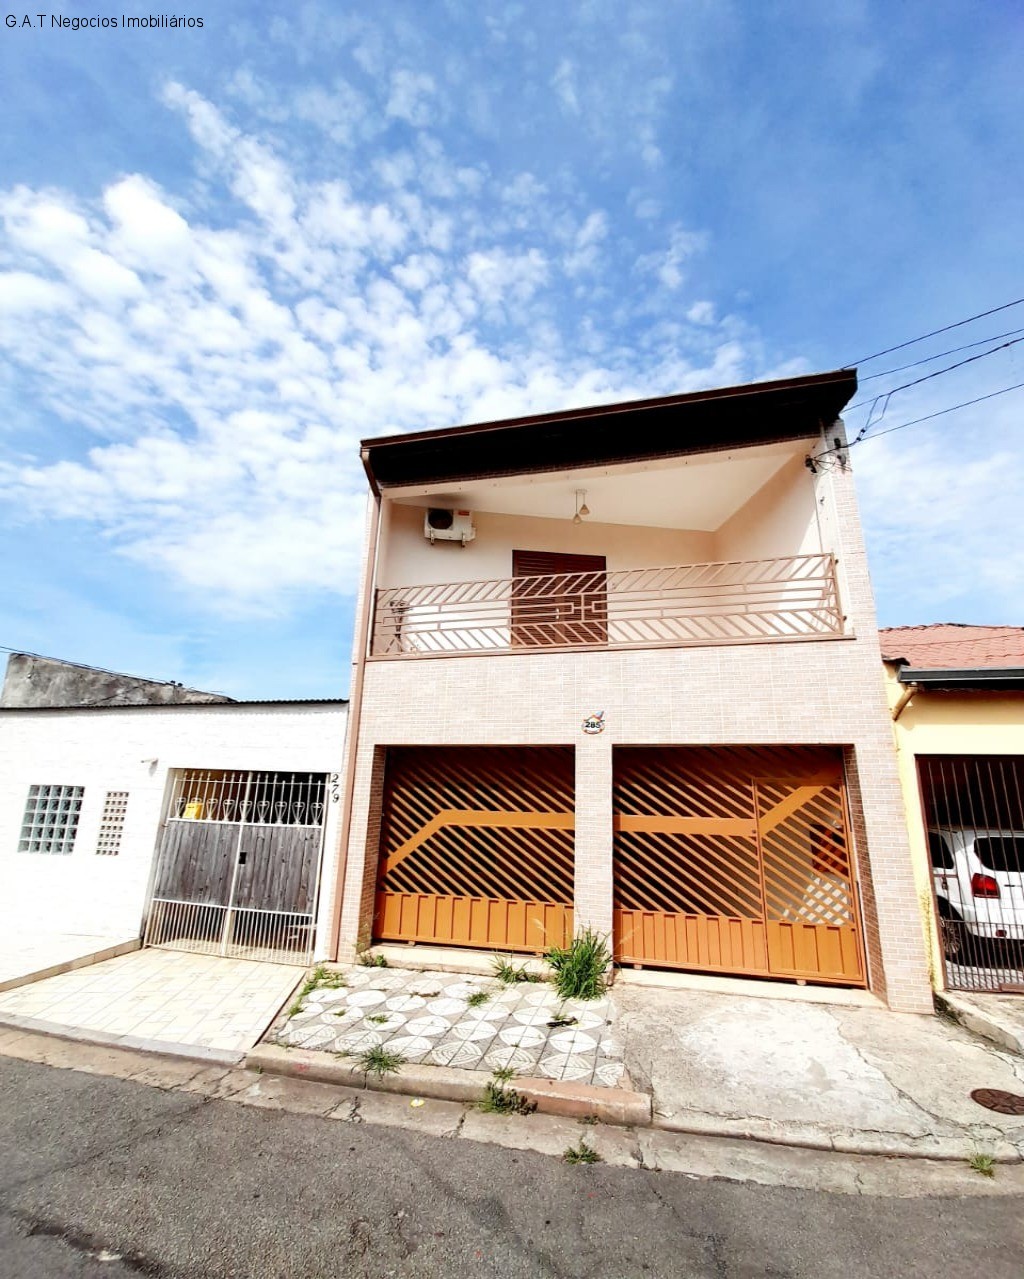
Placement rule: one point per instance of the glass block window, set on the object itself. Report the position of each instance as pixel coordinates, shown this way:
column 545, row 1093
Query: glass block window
column 51, row 819
column 112, row 823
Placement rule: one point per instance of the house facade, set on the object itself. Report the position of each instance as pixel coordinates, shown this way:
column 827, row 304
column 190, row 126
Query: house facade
column 956, row 696
column 191, row 825
column 618, row 668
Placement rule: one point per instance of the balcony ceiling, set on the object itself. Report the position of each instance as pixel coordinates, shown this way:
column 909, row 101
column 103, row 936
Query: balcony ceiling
column 699, row 492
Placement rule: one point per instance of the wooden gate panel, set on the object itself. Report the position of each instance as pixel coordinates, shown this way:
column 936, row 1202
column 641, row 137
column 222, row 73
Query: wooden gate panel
column 477, row 847
column 735, row 859
column 195, row 862
column 809, row 897
column 279, row 871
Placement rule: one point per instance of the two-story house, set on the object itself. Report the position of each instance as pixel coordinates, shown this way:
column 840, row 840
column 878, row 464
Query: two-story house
column 618, row 667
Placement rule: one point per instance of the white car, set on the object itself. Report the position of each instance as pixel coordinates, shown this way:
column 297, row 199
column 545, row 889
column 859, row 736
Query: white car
column 979, row 889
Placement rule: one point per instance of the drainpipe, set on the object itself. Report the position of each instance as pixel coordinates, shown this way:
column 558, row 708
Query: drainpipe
column 905, row 697
column 360, row 644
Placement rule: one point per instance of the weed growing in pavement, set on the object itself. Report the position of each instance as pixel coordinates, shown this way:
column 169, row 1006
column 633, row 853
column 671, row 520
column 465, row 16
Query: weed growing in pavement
column 581, row 1154
column 588, row 1120
column 319, row 977
column 579, row 968
column 478, row 998
column 503, row 1074
column 380, row 1062
column 505, row 970
column 369, row 960
column 983, row 1164
column 560, row 1020
column 499, row 1100
column 378, row 1019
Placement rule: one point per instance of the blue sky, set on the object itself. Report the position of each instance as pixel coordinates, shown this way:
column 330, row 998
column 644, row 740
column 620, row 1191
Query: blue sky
column 227, row 254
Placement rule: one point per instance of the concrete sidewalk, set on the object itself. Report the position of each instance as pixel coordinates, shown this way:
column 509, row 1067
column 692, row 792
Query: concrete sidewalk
column 30, row 956
column 159, row 1001
column 855, row 1079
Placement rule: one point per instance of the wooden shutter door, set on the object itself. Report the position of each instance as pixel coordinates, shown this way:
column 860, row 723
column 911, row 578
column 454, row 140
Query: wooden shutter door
column 559, row 600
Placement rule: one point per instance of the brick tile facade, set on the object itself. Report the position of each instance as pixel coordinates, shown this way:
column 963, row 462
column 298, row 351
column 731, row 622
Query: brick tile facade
column 827, row 691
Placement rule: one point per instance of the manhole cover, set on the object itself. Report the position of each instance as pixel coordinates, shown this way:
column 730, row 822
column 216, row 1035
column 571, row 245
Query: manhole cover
column 1006, row 1103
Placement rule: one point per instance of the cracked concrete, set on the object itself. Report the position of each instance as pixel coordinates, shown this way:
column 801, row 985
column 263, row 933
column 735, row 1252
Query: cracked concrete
column 842, row 1078
column 646, row 1149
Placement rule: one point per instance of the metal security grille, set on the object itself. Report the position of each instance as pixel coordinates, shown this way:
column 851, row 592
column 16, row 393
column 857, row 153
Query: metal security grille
column 51, row 819
column 477, row 847
column 974, row 823
column 239, row 863
column 735, row 603
column 115, row 808
column 735, row 860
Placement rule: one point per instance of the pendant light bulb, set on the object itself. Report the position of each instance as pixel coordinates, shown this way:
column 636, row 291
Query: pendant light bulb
column 577, row 519
column 584, row 509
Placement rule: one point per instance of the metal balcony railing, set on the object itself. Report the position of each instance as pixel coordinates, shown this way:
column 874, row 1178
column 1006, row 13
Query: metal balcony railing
column 749, row 601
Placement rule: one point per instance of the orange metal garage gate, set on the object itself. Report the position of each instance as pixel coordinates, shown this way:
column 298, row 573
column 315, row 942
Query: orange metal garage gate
column 735, row 860
column 477, row 847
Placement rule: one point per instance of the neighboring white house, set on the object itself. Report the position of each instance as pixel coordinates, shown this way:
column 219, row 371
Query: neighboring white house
column 231, row 795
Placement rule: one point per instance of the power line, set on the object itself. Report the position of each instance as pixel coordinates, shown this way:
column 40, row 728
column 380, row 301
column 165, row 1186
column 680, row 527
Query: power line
column 886, row 396
column 928, row 416
column 862, row 439
column 939, row 355
column 934, row 333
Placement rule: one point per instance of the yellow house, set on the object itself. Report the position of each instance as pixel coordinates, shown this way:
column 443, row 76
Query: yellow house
column 956, row 696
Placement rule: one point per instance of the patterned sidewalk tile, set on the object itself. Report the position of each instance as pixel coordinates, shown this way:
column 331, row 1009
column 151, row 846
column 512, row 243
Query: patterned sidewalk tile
column 427, row 1017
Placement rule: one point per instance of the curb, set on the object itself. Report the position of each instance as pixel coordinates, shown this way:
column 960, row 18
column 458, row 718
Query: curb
column 156, row 1047
column 884, row 1145
column 617, row 1106
column 111, row 951
column 981, row 1022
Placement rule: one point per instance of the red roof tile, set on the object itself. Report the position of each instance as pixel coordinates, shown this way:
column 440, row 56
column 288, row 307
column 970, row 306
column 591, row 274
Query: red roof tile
column 954, row 646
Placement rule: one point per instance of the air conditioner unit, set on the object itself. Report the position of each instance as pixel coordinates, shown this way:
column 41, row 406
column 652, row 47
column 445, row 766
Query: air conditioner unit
column 442, row 525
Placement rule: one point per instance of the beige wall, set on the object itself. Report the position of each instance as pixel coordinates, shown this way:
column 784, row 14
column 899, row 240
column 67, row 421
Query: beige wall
column 408, row 558
column 778, row 520
column 818, row 691
column 945, row 724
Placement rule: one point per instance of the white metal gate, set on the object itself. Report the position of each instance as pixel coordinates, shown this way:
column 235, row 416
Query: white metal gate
column 238, row 865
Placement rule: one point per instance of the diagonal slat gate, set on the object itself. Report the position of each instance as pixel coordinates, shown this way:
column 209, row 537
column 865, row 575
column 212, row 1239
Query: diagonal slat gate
column 477, row 847
column 735, row 860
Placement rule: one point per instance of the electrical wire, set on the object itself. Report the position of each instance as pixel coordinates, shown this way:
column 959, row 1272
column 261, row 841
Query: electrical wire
column 939, row 355
column 886, row 396
column 862, row 439
column 934, row 333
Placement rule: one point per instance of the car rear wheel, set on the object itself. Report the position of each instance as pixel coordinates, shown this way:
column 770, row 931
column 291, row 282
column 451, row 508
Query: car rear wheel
column 953, row 940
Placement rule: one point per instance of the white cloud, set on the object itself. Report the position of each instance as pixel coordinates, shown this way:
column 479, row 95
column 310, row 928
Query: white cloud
column 669, row 267
column 564, row 84
column 227, row 348
column 412, row 97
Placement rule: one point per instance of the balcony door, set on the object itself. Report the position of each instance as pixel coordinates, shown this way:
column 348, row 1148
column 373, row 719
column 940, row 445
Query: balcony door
column 559, row 600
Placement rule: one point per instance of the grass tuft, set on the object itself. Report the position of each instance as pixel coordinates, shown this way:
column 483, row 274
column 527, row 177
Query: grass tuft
column 368, row 960
column 580, row 968
column 478, row 998
column 581, row 1154
column 509, row 973
column 984, row 1165
column 378, row 1019
column 378, row 1061
column 319, row 977
column 503, row 1074
column 499, row 1100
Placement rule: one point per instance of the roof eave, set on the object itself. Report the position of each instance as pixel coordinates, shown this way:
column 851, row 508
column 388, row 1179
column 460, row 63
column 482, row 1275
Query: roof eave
column 992, row 677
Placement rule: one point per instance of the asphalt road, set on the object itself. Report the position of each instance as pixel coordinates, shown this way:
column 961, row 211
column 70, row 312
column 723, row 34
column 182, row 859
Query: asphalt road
column 101, row 1176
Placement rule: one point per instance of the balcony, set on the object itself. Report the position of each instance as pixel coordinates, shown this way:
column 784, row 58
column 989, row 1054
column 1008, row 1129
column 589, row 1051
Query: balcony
column 742, row 602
